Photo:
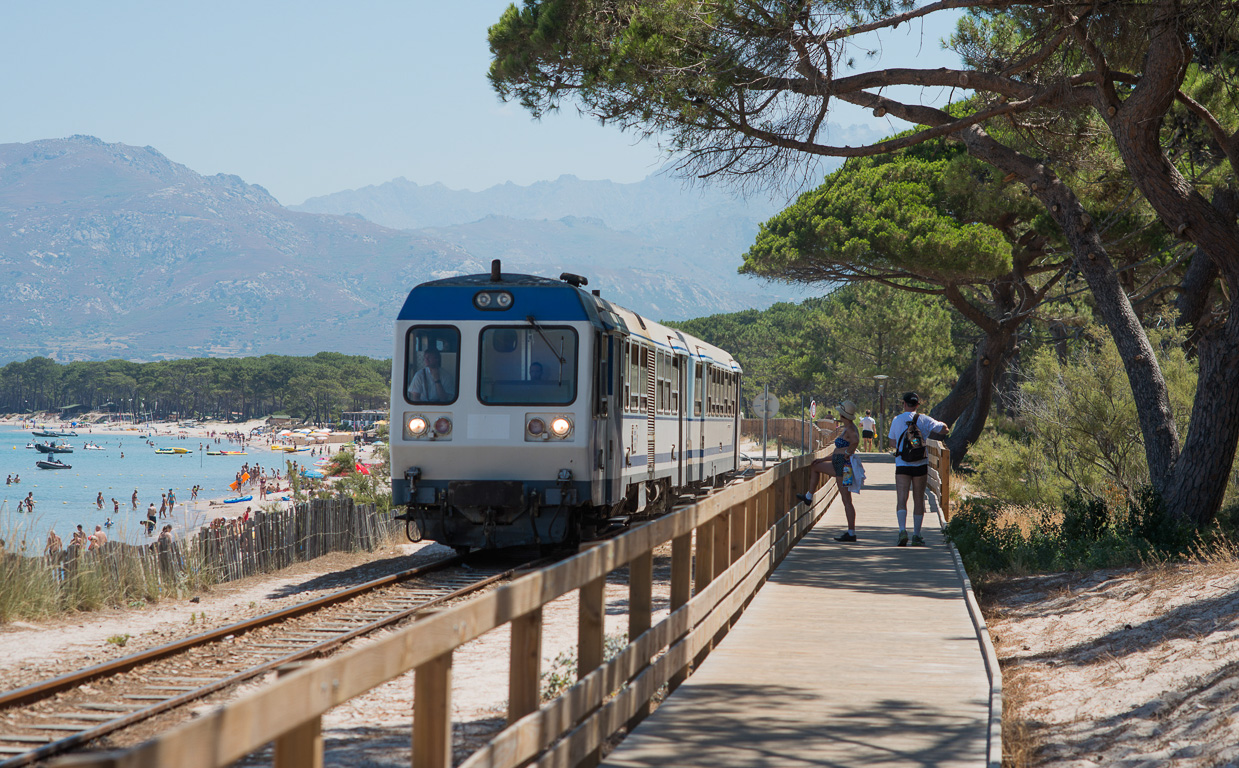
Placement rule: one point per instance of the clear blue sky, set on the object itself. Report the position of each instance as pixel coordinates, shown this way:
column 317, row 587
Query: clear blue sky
column 309, row 97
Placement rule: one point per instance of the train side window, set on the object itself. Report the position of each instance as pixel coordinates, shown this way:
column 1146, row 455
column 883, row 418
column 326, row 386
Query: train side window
column 432, row 364
column 699, row 389
column 645, row 380
column 675, row 384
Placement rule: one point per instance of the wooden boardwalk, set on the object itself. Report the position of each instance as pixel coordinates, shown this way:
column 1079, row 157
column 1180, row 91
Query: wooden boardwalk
column 851, row 655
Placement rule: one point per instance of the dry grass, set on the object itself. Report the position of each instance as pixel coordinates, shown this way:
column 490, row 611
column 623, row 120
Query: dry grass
column 1019, row 744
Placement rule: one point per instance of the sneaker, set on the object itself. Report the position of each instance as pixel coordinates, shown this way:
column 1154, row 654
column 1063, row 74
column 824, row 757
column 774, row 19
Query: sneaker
column 917, row 541
column 903, row 539
column 845, row 536
column 807, row 498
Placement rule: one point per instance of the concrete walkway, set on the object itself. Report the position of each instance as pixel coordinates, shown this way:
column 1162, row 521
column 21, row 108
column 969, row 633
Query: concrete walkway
column 851, row 655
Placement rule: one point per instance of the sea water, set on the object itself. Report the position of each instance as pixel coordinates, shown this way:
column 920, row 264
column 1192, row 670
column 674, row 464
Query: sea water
column 65, row 498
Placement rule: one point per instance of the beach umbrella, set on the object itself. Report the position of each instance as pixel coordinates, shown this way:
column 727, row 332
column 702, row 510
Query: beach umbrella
column 362, row 468
column 285, row 432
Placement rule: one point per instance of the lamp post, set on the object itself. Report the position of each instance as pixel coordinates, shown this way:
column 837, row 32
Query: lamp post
column 880, row 380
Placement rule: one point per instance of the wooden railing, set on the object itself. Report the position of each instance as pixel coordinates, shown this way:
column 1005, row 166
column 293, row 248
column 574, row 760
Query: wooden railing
column 722, row 550
column 940, row 475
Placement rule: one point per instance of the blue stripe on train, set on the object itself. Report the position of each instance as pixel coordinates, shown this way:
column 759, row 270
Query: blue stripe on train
column 455, row 302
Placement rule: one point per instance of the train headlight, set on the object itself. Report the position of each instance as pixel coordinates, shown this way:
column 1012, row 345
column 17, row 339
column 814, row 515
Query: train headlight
column 417, row 426
column 536, row 427
column 443, row 426
column 560, row 426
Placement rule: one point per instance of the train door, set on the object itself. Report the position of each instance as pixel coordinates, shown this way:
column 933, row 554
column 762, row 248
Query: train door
column 699, row 408
column 677, row 407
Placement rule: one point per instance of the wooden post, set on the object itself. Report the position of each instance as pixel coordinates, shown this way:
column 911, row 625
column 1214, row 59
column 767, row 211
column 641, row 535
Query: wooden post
column 525, row 666
column 944, row 479
column 640, row 613
column 591, row 640
column 681, row 587
column 432, row 713
column 722, row 541
column 739, row 531
column 302, row 747
column 705, row 556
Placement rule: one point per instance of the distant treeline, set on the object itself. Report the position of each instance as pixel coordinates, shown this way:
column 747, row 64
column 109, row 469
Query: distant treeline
column 317, row 388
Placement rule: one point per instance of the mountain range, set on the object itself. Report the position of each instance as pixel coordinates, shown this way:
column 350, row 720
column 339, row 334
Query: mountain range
column 110, row 250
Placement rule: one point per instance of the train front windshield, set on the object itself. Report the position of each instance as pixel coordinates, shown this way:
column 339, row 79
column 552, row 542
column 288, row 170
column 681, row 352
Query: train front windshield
column 530, row 365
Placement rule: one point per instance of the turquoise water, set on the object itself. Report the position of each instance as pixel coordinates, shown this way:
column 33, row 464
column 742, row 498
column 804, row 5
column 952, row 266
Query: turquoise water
column 66, row 497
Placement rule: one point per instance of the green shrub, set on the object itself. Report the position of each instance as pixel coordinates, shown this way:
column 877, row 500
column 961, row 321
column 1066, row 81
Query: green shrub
column 1087, row 533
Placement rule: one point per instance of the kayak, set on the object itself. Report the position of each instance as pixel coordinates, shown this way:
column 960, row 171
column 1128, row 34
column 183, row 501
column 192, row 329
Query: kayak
column 167, row 451
column 238, row 499
column 232, row 453
column 52, row 465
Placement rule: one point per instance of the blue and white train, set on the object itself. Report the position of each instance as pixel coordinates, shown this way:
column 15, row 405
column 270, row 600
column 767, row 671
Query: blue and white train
column 527, row 410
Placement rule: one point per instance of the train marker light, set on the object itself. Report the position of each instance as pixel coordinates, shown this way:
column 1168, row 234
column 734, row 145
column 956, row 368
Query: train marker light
column 492, row 300
column 560, row 427
column 443, row 426
column 536, row 427
column 417, row 426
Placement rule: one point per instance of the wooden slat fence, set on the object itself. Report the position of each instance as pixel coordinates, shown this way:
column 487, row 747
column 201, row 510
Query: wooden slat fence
column 267, row 542
column 940, row 475
column 722, row 551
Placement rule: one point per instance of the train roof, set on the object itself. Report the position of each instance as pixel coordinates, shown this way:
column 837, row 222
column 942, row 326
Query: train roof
column 563, row 301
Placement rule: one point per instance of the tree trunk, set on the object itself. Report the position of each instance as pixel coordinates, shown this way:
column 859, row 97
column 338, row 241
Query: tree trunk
column 993, row 354
column 959, row 400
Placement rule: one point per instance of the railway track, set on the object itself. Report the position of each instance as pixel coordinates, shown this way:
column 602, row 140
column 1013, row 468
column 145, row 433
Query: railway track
column 64, row 713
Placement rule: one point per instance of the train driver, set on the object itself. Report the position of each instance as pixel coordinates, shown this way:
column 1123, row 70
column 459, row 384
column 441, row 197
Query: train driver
column 535, row 371
column 432, row 384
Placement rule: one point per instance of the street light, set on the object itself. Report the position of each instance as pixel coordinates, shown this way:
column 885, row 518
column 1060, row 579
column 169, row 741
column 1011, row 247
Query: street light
column 880, row 379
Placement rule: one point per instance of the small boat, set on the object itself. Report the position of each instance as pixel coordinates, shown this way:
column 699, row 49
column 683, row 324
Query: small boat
column 238, row 499
column 29, row 445
column 48, row 448
column 44, row 433
column 215, row 453
column 52, row 464
column 93, row 447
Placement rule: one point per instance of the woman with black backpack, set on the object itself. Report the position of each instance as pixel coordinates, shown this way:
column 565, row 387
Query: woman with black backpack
column 909, row 432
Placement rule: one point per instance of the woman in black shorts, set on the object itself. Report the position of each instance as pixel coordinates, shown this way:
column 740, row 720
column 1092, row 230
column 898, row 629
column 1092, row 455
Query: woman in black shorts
column 837, row 466
column 911, row 474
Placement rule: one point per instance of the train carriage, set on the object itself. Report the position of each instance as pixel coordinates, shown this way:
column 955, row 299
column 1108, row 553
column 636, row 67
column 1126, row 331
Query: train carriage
column 528, row 410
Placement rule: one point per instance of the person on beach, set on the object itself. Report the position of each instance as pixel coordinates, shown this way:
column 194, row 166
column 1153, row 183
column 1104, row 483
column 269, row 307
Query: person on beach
column 30, row 502
column 165, row 535
column 908, row 434
column 100, row 537
column 99, row 500
column 838, row 466
column 54, row 544
column 868, row 432
column 9, row 480
column 150, row 519
column 79, row 537
column 163, row 505
column 171, row 501
column 134, row 499
column 115, row 506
